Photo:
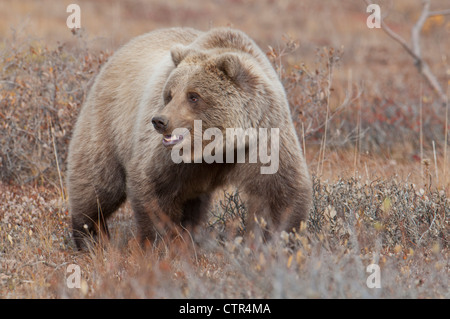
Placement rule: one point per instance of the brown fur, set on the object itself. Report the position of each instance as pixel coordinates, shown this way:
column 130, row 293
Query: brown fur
column 116, row 153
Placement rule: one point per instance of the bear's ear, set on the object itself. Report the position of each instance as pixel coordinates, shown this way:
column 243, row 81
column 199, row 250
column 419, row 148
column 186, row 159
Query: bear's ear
column 178, row 53
column 234, row 68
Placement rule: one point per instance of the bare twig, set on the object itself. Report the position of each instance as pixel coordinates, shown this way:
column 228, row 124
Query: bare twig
column 192, row 242
column 56, row 159
column 446, row 136
column 439, row 13
column 415, row 32
column 414, row 49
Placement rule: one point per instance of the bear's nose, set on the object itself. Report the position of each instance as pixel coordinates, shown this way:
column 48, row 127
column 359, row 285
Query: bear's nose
column 160, row 123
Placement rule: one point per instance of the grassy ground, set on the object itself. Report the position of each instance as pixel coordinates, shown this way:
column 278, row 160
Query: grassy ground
column 401, row 228
column 374, row 134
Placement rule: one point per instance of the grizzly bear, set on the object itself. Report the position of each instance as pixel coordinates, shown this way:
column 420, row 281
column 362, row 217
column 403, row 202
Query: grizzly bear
column 123, row 142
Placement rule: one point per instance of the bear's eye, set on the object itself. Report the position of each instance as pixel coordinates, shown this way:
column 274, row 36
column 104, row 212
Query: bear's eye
column 168, row 97
column 193, row 97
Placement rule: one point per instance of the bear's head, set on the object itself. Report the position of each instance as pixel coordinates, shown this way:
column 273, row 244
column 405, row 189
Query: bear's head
column 221, row 88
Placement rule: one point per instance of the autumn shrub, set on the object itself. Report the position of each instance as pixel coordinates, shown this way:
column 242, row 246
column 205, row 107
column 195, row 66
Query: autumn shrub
column 389, row 221
column 384, row 212
column 41, row 92
column 346, row 112
column 394, row 212
column 399, row 227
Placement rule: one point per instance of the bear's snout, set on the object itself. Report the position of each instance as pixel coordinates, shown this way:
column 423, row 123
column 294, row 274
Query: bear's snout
column 160, row 123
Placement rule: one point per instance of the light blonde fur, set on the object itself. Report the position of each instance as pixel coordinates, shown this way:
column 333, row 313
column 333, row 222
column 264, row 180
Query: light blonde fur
column 116, row 153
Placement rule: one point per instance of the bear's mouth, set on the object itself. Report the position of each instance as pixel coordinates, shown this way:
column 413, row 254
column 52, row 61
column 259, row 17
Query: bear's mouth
column 170, row 140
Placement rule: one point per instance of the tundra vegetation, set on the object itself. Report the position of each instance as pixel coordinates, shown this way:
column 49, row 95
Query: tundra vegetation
column 374, row 131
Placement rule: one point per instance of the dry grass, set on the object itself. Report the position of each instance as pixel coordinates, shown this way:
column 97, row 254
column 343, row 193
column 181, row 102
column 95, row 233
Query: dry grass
column 402, row 229
column 381, row 167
